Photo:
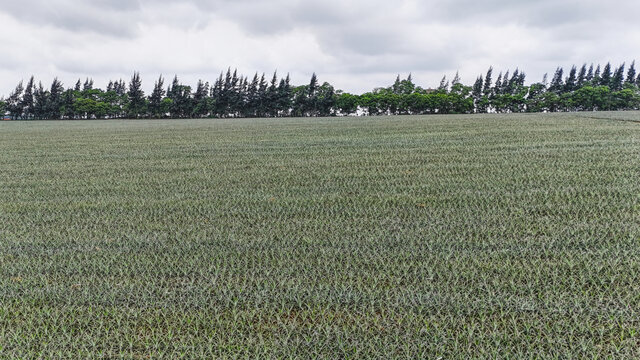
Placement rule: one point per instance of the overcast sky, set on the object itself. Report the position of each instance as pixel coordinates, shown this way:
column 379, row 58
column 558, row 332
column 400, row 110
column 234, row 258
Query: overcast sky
column 354, row 44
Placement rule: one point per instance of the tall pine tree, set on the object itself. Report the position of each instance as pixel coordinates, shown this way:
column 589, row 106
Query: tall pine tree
column 14, row 101
column 136, row 106
column 201, row 99
column 582, row 76
column 605, row 78
column 488, row 82
column 631, row 73
column 571, row 81
column 557, row 83
column 155, row 100
column 617, row 80
column 27, row 99
column 54, row 104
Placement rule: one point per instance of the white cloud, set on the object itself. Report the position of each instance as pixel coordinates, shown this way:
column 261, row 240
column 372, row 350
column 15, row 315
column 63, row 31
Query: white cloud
column 357, row 45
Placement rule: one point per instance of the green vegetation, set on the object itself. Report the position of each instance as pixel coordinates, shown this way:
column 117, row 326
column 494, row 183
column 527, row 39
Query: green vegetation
column 233, row 95
column 512, row 236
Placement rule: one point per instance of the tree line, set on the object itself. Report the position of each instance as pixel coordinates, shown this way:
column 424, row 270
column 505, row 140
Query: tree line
column 588, row 88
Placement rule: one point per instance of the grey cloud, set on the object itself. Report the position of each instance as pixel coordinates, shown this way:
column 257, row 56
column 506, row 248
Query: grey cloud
column 540, row 13
column 112, row 18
